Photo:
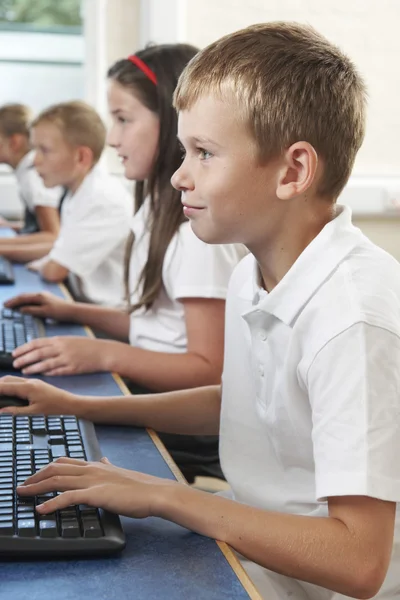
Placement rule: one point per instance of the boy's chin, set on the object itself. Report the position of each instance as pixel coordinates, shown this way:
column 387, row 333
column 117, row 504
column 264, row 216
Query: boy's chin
column 209, row 236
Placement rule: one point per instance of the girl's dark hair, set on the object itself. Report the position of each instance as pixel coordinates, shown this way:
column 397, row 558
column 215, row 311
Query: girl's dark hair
column 166, row 215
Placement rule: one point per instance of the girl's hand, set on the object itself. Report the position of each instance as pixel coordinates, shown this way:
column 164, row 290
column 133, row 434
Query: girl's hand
column 42, row 305
column 42, row 398
column 98, row 484
column 66, row 355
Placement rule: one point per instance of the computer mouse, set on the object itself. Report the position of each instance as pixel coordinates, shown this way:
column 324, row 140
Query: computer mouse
column 12, row 401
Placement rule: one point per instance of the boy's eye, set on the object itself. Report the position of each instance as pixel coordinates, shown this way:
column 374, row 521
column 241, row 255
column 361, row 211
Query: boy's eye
column 204, row 154
column 121, row 120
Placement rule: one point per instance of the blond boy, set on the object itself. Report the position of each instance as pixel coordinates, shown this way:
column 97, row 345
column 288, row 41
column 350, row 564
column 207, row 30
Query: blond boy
column 69, row 139
column 271, row 119
column 41, row 219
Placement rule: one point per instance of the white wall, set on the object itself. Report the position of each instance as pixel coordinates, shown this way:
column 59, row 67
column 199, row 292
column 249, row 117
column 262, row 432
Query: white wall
column 367, row 30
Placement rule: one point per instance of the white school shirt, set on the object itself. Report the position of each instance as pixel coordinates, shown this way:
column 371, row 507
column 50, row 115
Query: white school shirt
column 94, row 229
column 32, row 190
column 191, row 269
column 311, row 388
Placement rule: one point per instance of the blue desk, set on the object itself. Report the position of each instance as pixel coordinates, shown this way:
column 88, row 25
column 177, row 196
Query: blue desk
column 162, row 560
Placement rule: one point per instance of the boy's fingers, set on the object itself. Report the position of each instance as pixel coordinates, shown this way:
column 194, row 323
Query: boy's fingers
column 17, row 410
column 57, row 483
column 16, row 387
column 55, row 470
column 22, row 299
column 43, row 366
column 62, row 501
column 11, row 379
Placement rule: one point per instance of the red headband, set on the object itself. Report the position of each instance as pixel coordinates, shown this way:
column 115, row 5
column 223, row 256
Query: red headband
column 143, row 67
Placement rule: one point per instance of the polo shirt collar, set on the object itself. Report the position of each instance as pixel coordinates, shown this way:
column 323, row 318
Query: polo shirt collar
column 314, row 265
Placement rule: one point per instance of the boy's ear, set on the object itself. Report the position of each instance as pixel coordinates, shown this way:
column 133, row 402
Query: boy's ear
column 85, row 156
column 16, row 141
column 298, row 171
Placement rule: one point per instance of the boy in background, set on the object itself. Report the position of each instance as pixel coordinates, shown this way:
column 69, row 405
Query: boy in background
column 68, row 140
column 41, row 205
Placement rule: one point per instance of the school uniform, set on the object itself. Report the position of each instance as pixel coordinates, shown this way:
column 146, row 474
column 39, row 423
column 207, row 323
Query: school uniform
column 91, row 243
column 191, row 269
column 33, row 192
column 310, row 403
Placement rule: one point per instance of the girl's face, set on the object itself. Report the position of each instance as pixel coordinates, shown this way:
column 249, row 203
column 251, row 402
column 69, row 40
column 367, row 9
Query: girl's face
column 134, row 132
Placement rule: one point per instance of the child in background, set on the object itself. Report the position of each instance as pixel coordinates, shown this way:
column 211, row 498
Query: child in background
column 177, row 284
column 41, row 224
column 309, row 412
column 69, row 139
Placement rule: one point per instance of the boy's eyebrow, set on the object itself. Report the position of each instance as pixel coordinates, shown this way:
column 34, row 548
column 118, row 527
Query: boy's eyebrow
column 200, row 140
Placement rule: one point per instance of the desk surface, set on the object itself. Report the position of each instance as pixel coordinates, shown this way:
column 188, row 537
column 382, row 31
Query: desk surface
column 161, row 560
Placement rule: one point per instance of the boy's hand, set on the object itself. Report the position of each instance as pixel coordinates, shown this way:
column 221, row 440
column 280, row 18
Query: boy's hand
column 43, row 398
column 35, row 265
column 99, row 484
column 66, row 355
column 42, row 305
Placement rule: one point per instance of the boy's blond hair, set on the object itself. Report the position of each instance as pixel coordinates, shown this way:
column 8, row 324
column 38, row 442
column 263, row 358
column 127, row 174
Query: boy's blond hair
column 288, row 84
column 79, row 124
column 15, row 119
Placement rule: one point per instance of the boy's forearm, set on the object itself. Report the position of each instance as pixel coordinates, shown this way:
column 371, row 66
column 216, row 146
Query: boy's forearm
column 318, row 550
column 191, row 412
column 112, row 321
column 22, row 253
column 160, row 371
column 38, row 237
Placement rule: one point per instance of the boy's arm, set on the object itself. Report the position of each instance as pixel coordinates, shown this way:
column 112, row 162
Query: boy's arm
column 113, row 321
column 23, row 252
column 193, row 412
column 48, row 219
column 348, row 551
column 53, row 272
column 49, row 224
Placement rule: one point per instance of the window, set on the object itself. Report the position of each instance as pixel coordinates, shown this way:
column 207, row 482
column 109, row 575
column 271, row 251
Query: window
column 41, row 13
column 41, row 52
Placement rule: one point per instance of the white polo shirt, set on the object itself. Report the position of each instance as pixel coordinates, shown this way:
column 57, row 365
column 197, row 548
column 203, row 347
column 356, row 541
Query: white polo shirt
column 191, row 269
column 32, row 190
column 94, row 229
column 311, row 387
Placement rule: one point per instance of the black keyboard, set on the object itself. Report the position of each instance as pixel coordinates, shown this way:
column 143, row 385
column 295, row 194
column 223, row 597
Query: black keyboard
column 28, row 443
column 15, row 330
column 6, row 271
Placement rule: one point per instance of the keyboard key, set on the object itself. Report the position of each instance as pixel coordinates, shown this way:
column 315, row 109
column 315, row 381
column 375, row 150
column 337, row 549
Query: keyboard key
column 7, row 528
column 58, row 451
column 48, row 528
column 27, row 527
column 70, row 528
column 91, row 528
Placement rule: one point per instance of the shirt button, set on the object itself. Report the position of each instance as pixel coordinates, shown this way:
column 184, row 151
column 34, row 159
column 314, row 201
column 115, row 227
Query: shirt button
column 261, row 370
column 262, row 336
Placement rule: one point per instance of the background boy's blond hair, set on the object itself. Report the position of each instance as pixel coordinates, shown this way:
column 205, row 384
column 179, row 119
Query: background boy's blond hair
column 288, row 84
column 79, row 124
column 15, row 119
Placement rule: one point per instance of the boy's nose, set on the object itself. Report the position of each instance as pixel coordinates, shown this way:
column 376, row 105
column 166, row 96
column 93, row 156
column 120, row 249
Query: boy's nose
column 181, row 181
